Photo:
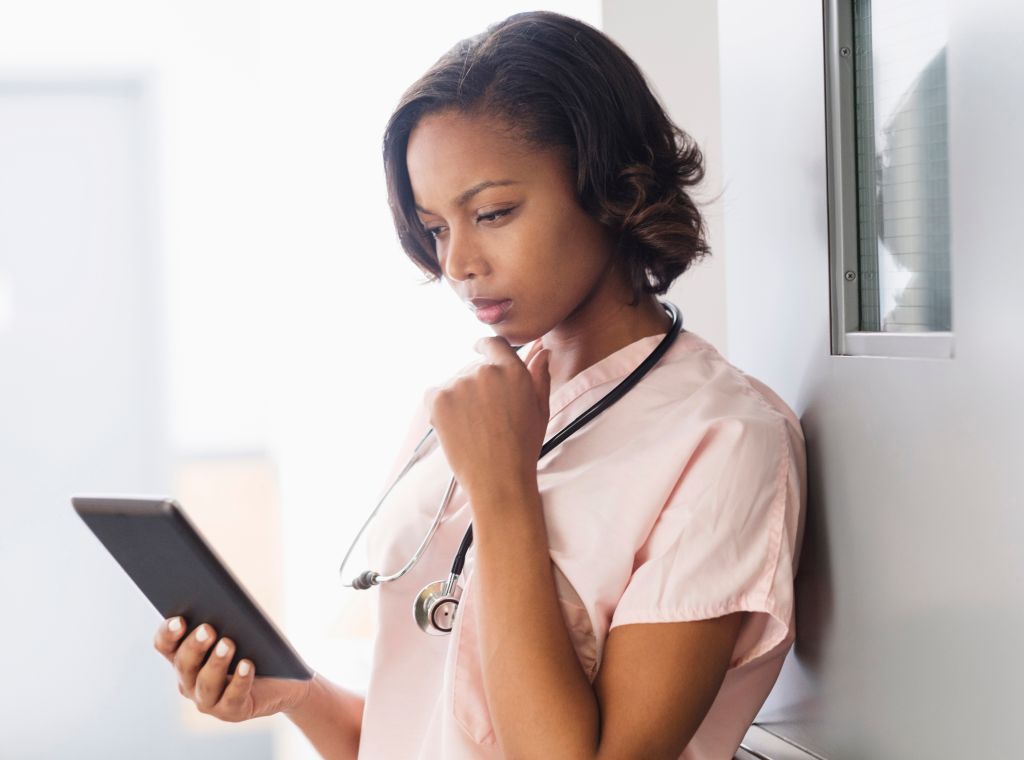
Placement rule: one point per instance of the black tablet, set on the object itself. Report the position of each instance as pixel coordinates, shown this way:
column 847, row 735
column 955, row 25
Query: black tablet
column 161, row 550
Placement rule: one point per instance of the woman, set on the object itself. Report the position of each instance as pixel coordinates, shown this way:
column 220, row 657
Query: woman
column 630, row 595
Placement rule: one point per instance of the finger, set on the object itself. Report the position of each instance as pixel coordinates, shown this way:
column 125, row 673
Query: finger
column 541, row 374
column 190, row 655
column 428, row 397
column 535, row 348
column 168, row 635
column 236, row 701
column 213, row 676
column 496, row 349
column 467, row 371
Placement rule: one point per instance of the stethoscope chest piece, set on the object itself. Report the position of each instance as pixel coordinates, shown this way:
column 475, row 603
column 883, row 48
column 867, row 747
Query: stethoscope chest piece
column 435, row 607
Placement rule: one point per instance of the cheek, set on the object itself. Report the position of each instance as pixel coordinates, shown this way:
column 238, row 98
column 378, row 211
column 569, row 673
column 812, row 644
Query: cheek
column 564, row 242
column 542, row 254
column 580, row 247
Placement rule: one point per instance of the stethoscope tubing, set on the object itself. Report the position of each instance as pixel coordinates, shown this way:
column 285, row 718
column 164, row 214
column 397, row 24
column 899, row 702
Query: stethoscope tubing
column 370, row 578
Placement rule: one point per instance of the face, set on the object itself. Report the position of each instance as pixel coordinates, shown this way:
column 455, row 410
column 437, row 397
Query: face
column 508, row 227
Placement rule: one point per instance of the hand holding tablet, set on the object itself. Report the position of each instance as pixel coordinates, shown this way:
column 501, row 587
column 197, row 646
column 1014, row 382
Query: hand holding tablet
column 160, row 549
column 232, row 698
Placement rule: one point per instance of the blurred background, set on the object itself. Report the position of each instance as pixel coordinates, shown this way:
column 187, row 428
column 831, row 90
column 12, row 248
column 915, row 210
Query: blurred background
column 202, row 295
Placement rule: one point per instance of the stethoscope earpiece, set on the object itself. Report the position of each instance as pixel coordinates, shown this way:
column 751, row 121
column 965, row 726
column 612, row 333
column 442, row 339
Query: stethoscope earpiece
column 436, row 605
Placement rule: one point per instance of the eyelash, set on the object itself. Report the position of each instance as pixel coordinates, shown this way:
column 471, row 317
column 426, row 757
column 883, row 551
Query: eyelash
column 493, row 216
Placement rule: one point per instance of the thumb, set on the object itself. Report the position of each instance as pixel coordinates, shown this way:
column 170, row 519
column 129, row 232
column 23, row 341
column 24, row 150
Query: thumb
column 539, row 371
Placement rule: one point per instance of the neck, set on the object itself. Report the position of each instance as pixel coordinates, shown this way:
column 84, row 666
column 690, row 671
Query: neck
column 599, row 330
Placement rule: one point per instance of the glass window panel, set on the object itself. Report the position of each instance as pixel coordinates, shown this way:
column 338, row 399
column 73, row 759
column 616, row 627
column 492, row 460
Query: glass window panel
column 902, row 167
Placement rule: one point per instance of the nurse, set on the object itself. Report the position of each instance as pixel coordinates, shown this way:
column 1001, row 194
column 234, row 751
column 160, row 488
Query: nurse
column 630, row 595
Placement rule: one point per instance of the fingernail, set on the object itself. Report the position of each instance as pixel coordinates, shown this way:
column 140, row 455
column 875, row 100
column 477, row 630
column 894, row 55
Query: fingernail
column 202, row 634
column 174, row 625
column 243, row 668
column 222, row 648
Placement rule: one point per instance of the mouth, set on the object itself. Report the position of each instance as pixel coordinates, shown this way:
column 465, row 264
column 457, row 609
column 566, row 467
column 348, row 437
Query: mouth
column 490, row 311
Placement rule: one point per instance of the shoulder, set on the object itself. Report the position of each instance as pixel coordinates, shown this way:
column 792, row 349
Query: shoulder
column 696, row 382
column 732, row 448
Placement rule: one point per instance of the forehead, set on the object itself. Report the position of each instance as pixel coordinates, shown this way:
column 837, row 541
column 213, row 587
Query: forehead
column 449, row 152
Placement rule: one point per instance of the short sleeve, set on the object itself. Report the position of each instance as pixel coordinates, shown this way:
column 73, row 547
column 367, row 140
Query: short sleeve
column 725, row 539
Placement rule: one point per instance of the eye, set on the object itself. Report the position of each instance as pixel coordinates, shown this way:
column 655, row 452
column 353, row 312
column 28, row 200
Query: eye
column 434, row 232
column 495, row 215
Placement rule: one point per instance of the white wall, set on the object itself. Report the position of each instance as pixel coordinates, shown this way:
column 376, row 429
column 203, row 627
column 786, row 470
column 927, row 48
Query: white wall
column 909, row 594
column 676, row 45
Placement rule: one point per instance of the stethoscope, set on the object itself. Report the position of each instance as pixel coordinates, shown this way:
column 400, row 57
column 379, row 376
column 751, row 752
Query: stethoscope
column 435, row 606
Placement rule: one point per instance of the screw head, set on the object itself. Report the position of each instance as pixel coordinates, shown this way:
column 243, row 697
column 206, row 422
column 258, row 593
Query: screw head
column 850, row 275
column 844, row 51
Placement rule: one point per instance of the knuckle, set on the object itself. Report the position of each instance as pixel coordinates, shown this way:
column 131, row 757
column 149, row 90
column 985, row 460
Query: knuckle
column 181, row 660
column 208, row 688
column 193, row 649
column 228, row 711
column 161, row 643
column 165, row 648
column 431, row 399
column 231, row 701
column 203, row 696
column 187, row 678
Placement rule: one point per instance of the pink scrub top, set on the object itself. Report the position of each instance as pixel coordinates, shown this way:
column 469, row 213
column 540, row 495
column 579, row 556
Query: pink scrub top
column 683, row 501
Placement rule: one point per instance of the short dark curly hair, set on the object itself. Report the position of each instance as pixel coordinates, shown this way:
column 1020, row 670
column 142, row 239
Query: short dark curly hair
column 559, row 82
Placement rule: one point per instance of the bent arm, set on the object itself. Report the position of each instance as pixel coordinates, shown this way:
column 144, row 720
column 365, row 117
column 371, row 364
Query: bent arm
column 331, row 718
column 540, row 700
column 655, row 684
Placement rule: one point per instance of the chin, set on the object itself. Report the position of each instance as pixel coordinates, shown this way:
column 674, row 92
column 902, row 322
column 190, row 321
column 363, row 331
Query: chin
column 514, row 337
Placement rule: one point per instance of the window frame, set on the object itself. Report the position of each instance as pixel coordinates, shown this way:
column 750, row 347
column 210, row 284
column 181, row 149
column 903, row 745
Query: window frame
column 847, row 339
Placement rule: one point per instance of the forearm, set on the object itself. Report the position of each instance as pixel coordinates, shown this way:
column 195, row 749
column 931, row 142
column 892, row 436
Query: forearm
column 331, row 718
column 540, row 700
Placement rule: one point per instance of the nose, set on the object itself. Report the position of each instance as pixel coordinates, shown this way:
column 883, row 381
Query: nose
column 461, row 257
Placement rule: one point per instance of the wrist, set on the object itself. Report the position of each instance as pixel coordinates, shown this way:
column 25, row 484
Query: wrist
column 331, row 718
column 510, row 484
column 307, row 699
column 509, row 498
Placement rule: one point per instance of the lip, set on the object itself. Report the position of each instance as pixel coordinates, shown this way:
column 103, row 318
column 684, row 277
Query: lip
column 481, row 302
column 490, row 311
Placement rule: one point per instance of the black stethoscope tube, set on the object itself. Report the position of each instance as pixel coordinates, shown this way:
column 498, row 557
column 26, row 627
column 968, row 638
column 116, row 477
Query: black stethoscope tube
column 616, row 393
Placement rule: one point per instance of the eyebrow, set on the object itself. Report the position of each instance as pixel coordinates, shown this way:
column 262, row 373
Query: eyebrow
column 466, row 195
